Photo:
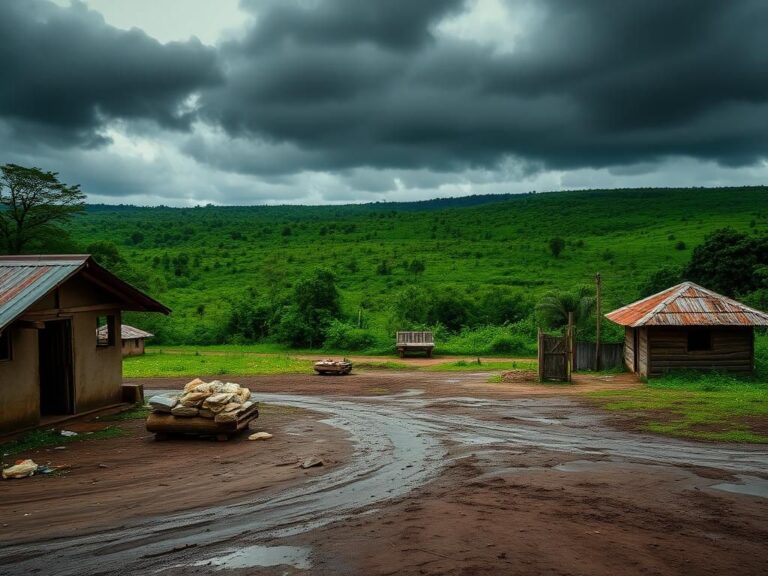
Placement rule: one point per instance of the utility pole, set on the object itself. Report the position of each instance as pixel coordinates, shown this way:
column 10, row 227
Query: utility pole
column 597, row 326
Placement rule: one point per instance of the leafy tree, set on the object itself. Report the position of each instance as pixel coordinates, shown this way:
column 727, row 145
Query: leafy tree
column 249, row 320
column 417, row 267
column 552, row 310
column 497, row 306
column 663, row 278
column 556, row 246
column 410, row 308
column 106, row 254
column 314, row 303
column 383, row 269
column 728, row 262
column 33, row 202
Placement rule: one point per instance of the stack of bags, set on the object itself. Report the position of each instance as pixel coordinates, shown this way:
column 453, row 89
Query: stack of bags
column 216, row 400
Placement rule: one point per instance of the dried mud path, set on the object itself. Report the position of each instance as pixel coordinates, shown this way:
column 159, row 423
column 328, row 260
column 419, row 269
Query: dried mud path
column 453, row 476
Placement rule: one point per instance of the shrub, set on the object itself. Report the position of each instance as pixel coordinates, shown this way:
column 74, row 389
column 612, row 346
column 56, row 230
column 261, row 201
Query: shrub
column 343, row 336
column 556, row 246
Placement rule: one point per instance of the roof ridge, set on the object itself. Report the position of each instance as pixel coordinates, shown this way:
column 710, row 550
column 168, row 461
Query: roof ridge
column 637, row 302
column 676, row 292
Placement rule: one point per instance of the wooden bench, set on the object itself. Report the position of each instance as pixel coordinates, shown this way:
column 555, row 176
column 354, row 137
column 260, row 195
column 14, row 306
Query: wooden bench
column 419, row 341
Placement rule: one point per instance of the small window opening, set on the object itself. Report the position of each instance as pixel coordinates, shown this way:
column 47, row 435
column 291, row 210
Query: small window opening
column 105, row 331
column 699, row 340
column 5, row 345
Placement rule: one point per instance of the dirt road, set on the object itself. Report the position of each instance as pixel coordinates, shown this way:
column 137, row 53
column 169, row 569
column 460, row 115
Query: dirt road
column 448, row 474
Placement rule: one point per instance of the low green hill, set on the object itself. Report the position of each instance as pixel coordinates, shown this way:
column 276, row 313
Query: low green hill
column 201, row 260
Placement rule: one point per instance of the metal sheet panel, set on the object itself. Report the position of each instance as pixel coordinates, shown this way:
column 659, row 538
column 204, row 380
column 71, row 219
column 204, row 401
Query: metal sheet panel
column 24, row 281
column 126, row 332
column 688, row 304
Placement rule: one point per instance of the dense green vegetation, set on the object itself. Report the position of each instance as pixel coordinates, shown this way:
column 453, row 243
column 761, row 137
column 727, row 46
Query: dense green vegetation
column 472, row 268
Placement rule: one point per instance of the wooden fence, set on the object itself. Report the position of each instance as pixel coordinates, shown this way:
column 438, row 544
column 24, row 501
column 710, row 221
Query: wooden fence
column 611, row 356
column 555, row 354
column 559, row 356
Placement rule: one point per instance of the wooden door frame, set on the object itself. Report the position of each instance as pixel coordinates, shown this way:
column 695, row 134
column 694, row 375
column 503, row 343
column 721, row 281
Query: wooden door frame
column 72, row 387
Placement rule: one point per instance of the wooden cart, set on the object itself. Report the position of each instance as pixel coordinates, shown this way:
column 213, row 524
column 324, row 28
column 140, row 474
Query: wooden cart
column 165, row 425
column 333, row 367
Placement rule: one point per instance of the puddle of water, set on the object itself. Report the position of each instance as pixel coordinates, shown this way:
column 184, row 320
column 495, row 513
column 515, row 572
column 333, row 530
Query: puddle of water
column 260, row 556
column 749, row 485
column 582, row 466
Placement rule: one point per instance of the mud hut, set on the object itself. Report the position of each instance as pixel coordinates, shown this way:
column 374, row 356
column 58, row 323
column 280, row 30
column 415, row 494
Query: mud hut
column 52, row 361
column 132, row 339
column 688, row 327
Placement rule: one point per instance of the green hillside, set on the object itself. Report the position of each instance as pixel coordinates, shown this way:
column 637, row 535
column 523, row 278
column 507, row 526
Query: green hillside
column 201, row 261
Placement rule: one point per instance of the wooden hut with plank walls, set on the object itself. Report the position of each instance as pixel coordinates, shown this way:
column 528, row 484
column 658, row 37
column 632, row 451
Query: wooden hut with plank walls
column 688, row 327
column 53, row 361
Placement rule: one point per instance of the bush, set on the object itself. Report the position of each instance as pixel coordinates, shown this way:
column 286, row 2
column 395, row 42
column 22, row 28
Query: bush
column 342, row 336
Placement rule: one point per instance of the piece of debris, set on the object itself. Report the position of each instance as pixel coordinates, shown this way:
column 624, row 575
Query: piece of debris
column 311, row 462
column 21, row 469
column 68, row 433
column 260, row 436
column 48, row 469
column 59, row 447
column 103, row 466
column 163, row 403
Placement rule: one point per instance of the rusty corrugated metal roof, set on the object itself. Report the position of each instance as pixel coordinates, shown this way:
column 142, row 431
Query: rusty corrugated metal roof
column 126, row 332
column 687, row 304
column 26, row 279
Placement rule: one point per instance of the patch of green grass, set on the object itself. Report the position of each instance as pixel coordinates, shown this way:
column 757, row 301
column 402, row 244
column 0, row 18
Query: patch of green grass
column 495, row 379
column 381, row 366
column 137, row 412
column 476, row 365
column 234, row 364
column 700, row 406
column 38, row 439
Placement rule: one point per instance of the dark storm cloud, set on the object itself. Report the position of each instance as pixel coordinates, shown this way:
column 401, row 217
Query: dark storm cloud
column 66, row 73
column 378, row 91
column 595, row 83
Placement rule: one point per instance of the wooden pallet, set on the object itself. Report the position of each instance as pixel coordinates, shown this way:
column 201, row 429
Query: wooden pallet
column 165, row 425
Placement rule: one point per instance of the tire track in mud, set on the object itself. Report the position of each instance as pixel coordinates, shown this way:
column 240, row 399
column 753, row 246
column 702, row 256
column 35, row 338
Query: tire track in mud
column 399, row 444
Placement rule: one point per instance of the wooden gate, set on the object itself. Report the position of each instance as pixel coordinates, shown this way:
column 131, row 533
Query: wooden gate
column 555, row 356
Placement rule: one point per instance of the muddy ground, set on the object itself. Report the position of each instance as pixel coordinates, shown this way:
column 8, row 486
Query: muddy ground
column 428, row 473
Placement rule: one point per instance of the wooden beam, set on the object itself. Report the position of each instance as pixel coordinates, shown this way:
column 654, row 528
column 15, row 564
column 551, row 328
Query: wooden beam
column 72, row 310
column 30, row 325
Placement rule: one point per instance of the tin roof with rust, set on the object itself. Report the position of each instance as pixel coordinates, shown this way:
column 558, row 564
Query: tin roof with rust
column 687, row 304
column 26, row 279
column 126, row 332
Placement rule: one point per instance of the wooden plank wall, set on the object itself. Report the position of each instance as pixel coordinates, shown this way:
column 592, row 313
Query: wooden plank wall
column 731, row 350
column 642, row 361
column 629, row 348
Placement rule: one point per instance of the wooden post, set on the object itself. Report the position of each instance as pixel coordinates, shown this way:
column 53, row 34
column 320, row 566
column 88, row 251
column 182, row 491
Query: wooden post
column 597, row 327
column 540, row 356
column 569, row 347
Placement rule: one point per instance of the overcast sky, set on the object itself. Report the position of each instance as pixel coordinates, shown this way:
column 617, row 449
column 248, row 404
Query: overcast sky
column 185, row 102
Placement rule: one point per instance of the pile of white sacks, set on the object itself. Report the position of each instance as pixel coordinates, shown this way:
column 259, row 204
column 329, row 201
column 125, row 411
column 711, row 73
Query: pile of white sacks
column 222, row 402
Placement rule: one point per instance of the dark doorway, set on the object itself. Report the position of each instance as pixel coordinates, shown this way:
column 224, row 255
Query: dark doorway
column 636, row 344
column 56, row 376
